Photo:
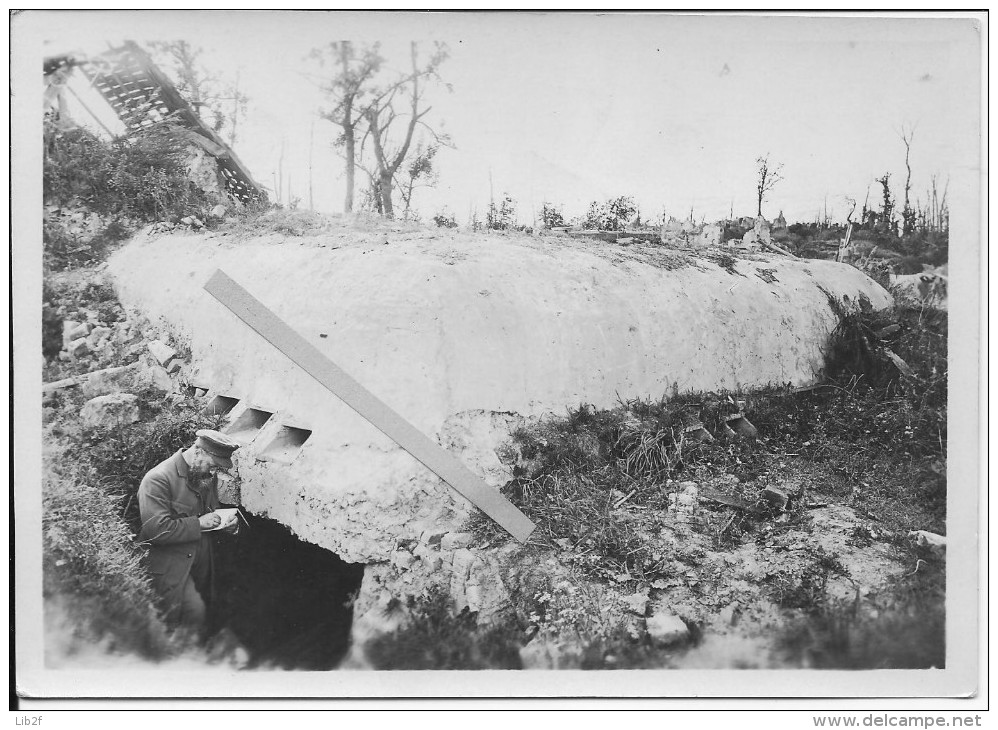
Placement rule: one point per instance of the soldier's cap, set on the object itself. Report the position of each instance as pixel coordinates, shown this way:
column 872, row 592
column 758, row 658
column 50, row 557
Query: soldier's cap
column 217, row 445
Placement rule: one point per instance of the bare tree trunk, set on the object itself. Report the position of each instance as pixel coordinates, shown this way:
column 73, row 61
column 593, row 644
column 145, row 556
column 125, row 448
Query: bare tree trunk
column 351, row 158
column 385, row 189
column 907, row 214
column 235, row 112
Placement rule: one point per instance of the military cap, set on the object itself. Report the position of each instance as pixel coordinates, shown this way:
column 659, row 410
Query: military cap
column 218, row 446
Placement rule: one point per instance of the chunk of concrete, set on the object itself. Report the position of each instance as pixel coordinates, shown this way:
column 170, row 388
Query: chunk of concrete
column 456, row 540
column 218, row 211
column 162, row 352
column 666, row 628
column 157, row 377
column 776, row 498
column 97, row 336
column 403, row 559
column 74, row 330
column 111, row 380
column 108, row 411
column 175, row 366
column 924, row 538
column 79, row 347
column 741, row 426
column 431, row 537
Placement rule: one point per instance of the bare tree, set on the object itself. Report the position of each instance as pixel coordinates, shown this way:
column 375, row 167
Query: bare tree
column 852, row 208
column 908, row 214
column 216, row 100
column 887, row 203
column 419, row 173
column 384, row 120
column 767, row 176
column 350, row 87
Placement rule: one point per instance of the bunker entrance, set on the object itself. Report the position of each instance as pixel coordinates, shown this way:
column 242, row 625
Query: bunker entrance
column 287, row 601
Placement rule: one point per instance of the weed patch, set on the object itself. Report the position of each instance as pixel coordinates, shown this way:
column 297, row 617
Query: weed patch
column 435, row 638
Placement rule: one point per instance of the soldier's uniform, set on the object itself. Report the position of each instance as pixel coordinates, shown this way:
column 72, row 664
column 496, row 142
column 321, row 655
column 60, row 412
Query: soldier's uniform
column 180, row 558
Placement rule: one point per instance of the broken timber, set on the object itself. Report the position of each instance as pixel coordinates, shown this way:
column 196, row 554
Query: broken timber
column 251, row 311
column 142, row 96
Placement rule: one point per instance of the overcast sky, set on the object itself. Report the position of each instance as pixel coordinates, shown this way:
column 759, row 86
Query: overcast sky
column 672, row 110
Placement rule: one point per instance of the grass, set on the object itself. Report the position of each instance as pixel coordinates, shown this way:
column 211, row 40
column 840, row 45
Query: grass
column 906, row 629
column 92, row 566
column 90, row 558
column 873, row 436
column 436, row 638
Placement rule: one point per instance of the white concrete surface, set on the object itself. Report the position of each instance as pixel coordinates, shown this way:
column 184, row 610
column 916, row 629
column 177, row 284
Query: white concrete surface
column 452, row 328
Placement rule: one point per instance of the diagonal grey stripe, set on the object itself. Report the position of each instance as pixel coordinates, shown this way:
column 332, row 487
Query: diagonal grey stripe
column 268, row 325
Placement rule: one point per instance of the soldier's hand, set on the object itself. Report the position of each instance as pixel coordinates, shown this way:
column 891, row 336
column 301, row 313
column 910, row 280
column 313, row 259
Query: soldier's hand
column 231, row 528
column 209, row 521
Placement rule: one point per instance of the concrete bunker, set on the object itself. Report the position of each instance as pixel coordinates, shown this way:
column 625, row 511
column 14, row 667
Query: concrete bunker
column 500, row 329
column 466, row 337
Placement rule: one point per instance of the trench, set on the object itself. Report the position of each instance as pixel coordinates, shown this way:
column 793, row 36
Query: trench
column 287, row 602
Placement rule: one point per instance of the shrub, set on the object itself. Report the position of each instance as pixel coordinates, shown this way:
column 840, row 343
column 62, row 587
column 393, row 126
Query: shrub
column 907, row 631
column 503, row 217
column 118, row 458
column 611, row 215
column 435, row 638
column 141, row 176
column 444, row 220
column 551, row 216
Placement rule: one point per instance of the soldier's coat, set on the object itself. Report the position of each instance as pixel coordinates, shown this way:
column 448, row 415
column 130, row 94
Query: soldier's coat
column 170, row 504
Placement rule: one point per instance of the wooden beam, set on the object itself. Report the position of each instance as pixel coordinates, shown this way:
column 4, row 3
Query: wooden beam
column 304, row 354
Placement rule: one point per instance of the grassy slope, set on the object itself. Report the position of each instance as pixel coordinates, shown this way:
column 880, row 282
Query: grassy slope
column 597, row 482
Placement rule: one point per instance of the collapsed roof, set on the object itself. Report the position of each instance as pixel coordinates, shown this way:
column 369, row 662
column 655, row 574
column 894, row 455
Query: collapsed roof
column 142, row 96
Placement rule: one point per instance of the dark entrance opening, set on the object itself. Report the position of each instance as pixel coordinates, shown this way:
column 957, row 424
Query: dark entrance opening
column 290, row 603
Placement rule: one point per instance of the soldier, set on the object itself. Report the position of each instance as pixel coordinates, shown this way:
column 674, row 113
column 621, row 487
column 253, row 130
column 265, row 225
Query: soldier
column 177, row 499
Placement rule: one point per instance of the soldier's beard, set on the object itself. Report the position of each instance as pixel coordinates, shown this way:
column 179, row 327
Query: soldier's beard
column 200, row 472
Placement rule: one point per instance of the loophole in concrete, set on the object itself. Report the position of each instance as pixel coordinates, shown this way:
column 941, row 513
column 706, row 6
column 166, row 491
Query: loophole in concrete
column 220, row 405
column 285, row 445
column 249, row 424
column 287, row 601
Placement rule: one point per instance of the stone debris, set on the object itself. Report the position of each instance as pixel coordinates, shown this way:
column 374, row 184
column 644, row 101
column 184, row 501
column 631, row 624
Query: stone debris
column 78, row 347
column 175, row 366
column 924, row 538
column 402, row 559
column 637, row 602
column 666, row 628
column 162, row 352
column 108, row 411
column 544, row 654
column 431, row 537
column 98, row 337
column 456, row 540
column 740, row 426
column 709, row 236
column 192, row 221
column 218, row 211
column 74, row 331
column 476, row 584
column 777, row 498
column 684, row 500
column 110, row 380
column 157, row 377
